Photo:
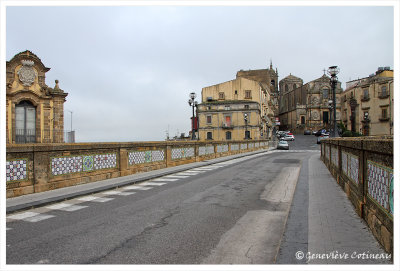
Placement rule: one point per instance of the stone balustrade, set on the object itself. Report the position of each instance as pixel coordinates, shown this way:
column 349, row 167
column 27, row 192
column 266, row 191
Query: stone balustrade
column 32, row 168
column 363, row 167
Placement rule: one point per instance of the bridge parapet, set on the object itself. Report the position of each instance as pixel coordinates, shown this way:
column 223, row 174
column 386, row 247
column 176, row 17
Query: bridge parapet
column 32, row 168
column 363, row 167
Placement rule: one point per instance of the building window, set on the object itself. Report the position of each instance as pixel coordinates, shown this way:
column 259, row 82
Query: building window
column 227, row 107
column 365, row 94
column 247, row 94
column 228, row 121
column 383, row 93
column 228, row 135
column 325, row 93
column 209, row 119
column 286, row 88
column 246, row 106
column 236, row 92
column 384, row 115
column 222, row 96
column 209, row 135
column 25, row 122
column 303, row 120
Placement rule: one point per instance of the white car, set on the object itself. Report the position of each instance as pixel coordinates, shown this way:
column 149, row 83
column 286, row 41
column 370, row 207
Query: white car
column 288, row 137
column 283, row 145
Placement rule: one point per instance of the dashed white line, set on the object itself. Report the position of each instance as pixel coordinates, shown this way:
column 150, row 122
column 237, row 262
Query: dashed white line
column 165, row 180
column 151, row 183
column 96, row 199
column 37, row 218
column 135, row 187
column 23, row 215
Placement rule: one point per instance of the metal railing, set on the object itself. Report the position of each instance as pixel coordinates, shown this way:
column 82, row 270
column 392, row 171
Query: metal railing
column 24, row 136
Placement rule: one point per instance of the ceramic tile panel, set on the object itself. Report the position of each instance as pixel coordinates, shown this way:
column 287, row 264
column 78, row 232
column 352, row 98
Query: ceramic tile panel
column 66, row 165
column 102, row 161
column 335, row 156
column 234, row 147
column 179, row 153
column 222, row 148
column 243, row 146
column 380, row 185
column 16, row 170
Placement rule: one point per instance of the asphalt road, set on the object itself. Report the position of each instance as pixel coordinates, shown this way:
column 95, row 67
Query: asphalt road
column 233, row 212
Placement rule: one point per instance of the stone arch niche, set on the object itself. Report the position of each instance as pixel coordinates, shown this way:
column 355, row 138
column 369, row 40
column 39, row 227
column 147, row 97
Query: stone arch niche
column 31, row 105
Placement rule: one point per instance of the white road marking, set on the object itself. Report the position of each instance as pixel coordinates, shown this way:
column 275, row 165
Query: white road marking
column 112, row 192
column 23, row 215
column 96, row 199
column 73, row 208
column 152, row 183
column 165, row 180
column 58, row 206
column 127, row 193
column 176, row 176
column 185, row 174
column 135, row 187
column 37, row 218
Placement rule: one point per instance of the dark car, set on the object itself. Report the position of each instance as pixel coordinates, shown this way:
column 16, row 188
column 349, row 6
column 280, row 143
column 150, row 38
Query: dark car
column 320, row 132
column 307, row 132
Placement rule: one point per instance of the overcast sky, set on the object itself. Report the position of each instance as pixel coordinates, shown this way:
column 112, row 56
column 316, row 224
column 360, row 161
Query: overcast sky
column 129, row 69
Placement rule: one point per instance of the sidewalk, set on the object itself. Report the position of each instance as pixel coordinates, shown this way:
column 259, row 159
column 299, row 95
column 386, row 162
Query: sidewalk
column 334, row 228
column 43, row 198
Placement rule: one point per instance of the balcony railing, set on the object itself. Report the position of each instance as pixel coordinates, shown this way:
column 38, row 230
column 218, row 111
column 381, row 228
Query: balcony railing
column 227, row 125
column 24, row 136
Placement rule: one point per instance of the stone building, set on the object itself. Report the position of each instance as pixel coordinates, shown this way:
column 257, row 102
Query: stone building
column 369, row 103
column 306, row 106
column 35, row 112
column 236, row 110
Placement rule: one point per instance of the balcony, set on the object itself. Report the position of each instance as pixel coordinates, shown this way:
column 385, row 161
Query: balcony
column 383, row 95
column 227, row 125
column 365, row 98
column 25, row 136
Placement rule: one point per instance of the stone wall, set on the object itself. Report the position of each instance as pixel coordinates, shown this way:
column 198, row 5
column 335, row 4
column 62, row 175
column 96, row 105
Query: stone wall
column 32, row 168
column 363, row 167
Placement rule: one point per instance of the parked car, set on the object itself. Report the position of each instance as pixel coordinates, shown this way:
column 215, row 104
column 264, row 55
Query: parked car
column 307, row 132
column 288, row 137
column 320, row 132
column 283, row 145
column 323, row 136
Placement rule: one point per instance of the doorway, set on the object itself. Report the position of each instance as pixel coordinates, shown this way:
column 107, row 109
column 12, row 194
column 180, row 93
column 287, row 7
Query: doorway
column 25, row 123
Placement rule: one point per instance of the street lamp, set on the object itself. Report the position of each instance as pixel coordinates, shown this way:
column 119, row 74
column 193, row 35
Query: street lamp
column 333, row 71
column 330, row 106
column 245, row 121
column 193, row 104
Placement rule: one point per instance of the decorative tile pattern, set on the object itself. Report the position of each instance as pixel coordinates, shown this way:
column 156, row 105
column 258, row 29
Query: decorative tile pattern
column 140, row 157
column 16, row 170
column 157, row 156
column 179, row 153
column 243, row 146
column 102, row 161
column 335, row 157
column 350, row 166
column 354, row 168
column 206, row 150
column 380, row 185
column 66, row 165
column 234, row 147
column 222, row 148
column 88, row 163
column 251, row 145
column 344, row 163
column 257, row 144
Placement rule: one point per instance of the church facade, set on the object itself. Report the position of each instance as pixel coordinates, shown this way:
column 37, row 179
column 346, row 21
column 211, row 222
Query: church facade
column 34, row 111
column 306, row 106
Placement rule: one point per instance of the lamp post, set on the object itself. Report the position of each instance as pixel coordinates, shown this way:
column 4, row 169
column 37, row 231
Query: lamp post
column 193, row 104
column 245, row 122
column 333, row 71
column 330, row 106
